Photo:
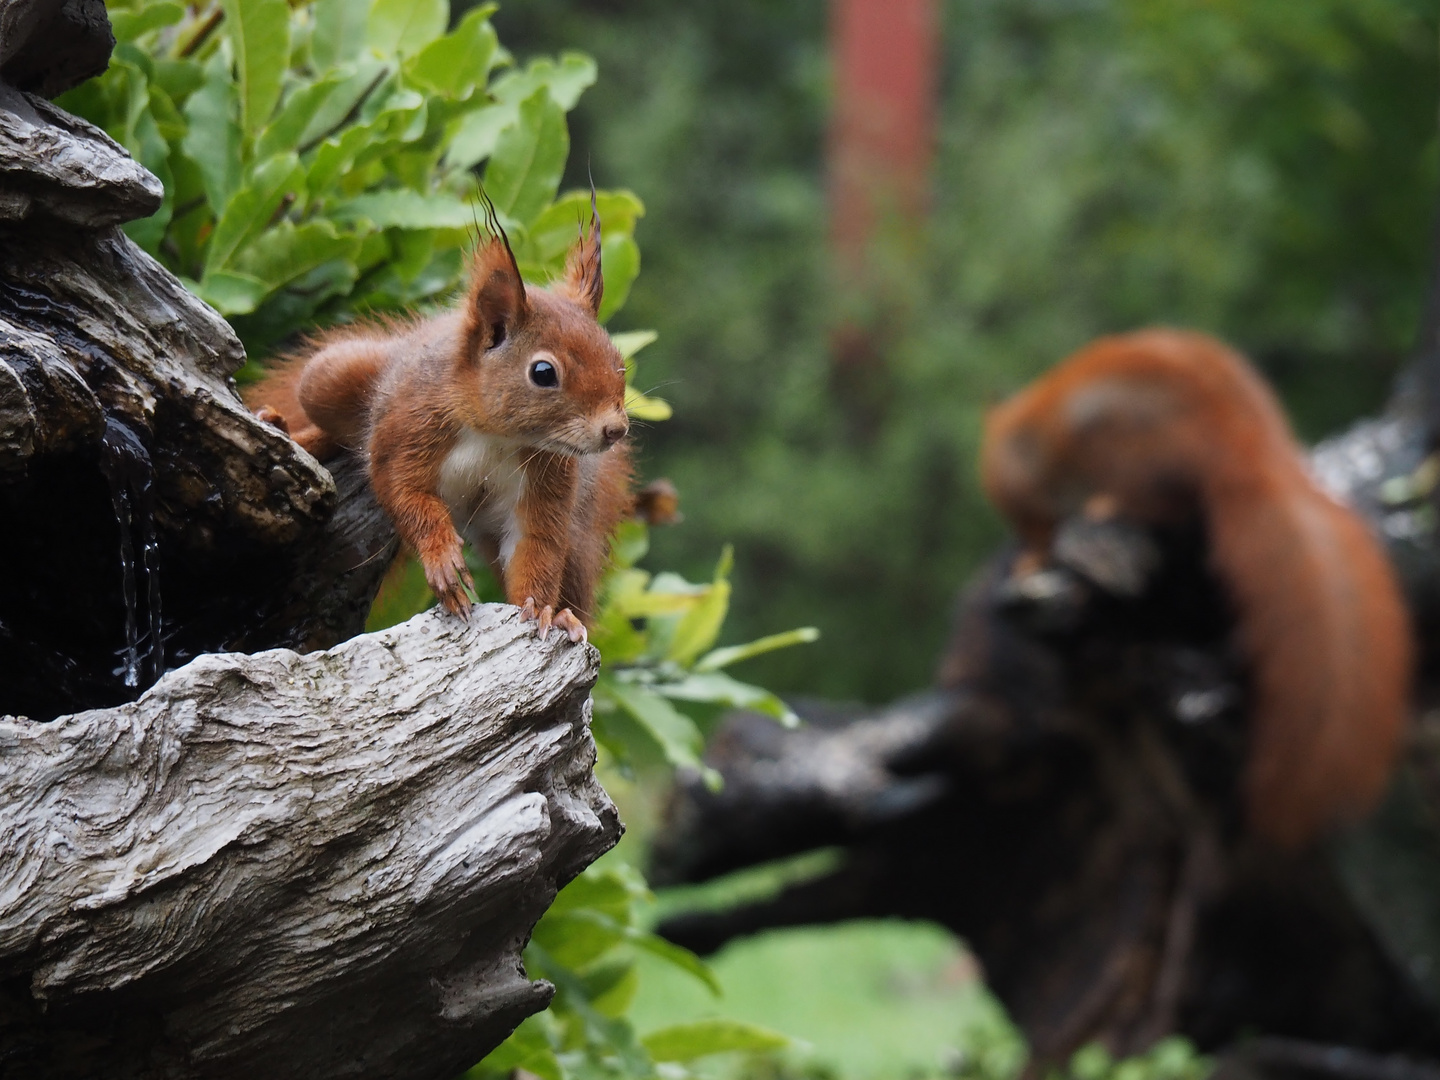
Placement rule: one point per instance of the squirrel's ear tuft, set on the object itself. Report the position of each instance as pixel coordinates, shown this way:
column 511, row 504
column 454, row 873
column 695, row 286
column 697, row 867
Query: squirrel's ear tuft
column 497, row 292
column 583, row 279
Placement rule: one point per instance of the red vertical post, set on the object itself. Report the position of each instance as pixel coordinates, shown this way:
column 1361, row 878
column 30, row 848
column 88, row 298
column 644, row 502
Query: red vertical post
column 882, row 129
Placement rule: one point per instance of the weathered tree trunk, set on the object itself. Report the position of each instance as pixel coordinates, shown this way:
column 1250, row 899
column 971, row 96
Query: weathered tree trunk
column 284, row 865
column 274, row 865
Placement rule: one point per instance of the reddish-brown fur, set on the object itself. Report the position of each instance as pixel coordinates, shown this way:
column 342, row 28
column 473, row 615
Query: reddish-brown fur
column 544, row 470
column 1160, row 424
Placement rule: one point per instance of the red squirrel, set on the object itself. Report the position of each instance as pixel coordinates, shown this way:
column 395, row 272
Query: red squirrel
column 1161, row 424
column 502, row 420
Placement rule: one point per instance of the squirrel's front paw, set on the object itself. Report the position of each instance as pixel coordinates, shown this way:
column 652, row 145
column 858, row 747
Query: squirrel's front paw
column 449, row 578
column 546, row 617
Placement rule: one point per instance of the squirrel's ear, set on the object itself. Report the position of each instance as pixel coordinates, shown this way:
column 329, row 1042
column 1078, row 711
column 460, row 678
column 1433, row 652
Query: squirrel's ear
column 583, row 279
column 497, row 292
column 497, row 295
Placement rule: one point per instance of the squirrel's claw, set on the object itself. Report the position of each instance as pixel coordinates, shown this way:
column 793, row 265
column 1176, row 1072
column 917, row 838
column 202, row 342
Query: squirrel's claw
column 546, row 618
column 449, row 579
column 565, row 620
column 455, row 600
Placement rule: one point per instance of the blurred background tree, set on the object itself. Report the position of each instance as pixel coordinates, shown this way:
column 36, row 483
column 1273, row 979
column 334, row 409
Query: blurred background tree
column 1263, row 170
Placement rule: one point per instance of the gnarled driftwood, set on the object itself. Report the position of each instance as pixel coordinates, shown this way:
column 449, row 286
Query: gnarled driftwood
column 283, row 865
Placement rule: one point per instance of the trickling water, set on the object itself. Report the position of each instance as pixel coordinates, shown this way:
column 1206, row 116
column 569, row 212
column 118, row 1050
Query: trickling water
column 126, row 465
column 120, row 499
column 150, row 561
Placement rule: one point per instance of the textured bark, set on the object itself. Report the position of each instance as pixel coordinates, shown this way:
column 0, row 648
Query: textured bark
column 283, row 865
column 58, row 166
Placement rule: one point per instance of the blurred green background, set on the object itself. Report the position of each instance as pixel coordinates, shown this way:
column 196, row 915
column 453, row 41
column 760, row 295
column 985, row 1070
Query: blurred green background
column 1262, row 169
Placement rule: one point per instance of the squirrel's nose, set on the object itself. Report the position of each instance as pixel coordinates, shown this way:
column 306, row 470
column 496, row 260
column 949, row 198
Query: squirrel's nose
column 614, row 433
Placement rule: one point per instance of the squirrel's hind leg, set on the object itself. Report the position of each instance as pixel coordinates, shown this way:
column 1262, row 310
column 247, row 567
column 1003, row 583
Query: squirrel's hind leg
column 335, row 390
column 310, row 437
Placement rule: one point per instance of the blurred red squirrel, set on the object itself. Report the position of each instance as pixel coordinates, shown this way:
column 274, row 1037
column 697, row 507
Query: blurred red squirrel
column 1159, row 425
column 502, row 419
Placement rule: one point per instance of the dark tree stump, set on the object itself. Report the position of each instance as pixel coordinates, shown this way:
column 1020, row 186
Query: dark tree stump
column 1066, row 801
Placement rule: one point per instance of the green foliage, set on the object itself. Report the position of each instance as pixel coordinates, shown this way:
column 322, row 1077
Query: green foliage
column 1264, row 170
column 662, row 672
column 325, row 159
column 586, row 945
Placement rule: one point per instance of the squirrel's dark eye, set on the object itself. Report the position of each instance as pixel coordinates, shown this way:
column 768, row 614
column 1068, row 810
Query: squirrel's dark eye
column 543, row 373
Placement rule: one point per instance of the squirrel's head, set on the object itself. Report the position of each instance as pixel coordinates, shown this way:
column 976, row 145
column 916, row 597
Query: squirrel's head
column 542, row 368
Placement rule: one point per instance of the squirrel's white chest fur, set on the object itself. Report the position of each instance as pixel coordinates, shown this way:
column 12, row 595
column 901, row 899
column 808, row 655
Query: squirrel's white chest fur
column 481, row 481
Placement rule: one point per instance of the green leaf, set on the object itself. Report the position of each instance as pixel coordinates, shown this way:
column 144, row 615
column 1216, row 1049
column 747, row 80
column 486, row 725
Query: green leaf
column 524, row 171
column 287, row 252
column 357, row 85
column 643, row 407
column 296, row 304
column 620, row 257
column 339, row 32
column 612, row 986
column 527, row 1048
column 579, row 937
column 406, row 209
column 717, row 688
column 405, row 26
column 178, row 78
column 286, row 131
column 168, row 120
column 574, row 75
column 213, row 138
column 686, row 1042
column 733, row 654
column 259, row 32
column 630, row 342
column 460, row 61
column 252, row 207
column 231, row 293
column 564, row 82
column 675, row 733
column 657, row 602
column 595, row 922
column 152, row 151
column 602, row 889
column 617, row 638
column 129, row 25
column 700, row 626
column 398, row 119
column 679, row 957
column 477, row 134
